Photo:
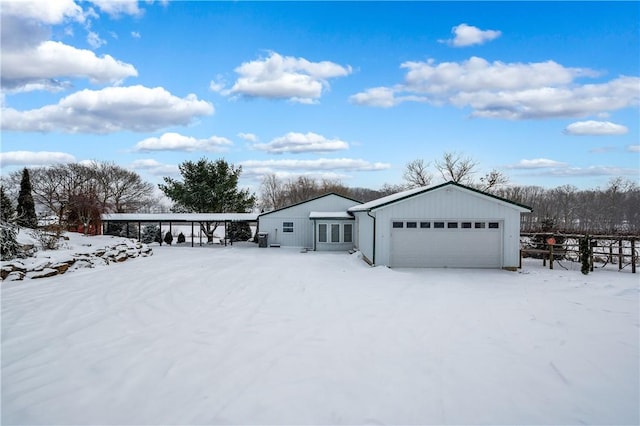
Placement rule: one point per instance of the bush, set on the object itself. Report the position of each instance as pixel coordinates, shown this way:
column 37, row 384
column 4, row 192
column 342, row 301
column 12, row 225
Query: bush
column 150, row 234
column 240, row 231
column 49, row 240
column 9, row 247
column 181, row 238
column 168, row 238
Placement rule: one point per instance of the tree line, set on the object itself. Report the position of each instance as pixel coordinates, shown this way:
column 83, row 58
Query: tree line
column 77, row 194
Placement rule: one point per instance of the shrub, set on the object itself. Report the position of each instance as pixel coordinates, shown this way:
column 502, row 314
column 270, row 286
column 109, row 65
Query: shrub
column 585, row 255
column 168, row 238
column 9, row 247
column 181, row 238
column 150, row 234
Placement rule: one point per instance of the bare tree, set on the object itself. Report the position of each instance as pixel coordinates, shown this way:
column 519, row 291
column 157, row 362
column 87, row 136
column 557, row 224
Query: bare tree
column 457, row 168
column 271, row 192
column 492, row 180
column 416, row 174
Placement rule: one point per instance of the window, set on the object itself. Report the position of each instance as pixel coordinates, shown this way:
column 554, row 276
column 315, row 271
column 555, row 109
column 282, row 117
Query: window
column 412, row 225
column 322, row 233
column 287, row 226
column 479, row 225
column 452, row 225
column 347, row 230
column 466, row 225
column 494, row 225
column 335, row 233
column 425, row 225
column 438, row 225
column 398, row 224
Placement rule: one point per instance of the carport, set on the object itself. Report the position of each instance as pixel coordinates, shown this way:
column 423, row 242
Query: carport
column 201, row 219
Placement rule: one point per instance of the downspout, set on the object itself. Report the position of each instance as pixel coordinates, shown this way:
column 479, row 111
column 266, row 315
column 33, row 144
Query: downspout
column 374, row 237
column 314, row 234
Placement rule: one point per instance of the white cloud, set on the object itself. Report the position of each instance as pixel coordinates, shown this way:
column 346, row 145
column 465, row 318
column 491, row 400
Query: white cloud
column 593, row 171
column 537, row 163
column 467, row 35
column 46, row 12
column 117, row 8
column 94, row 40
column 595, row 128
column 177, row 142
column 506, row 90
column 31, row 158
column 297, row 143
column 135, row 34
column 248, row 137
column 383, row 97
column 134, row 108
column 633, row 148
column 322, row 164
column 52, row 60
column 155, row 168
column 285, row 77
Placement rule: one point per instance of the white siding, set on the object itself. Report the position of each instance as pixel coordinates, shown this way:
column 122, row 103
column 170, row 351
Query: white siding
column 302, row 235
column 364, row 240
column 449, row 202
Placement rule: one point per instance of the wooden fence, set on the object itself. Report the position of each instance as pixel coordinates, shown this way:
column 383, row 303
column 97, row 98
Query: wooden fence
column 603, row 249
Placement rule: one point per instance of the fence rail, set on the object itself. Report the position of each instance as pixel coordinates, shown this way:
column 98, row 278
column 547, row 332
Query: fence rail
column 603, row 249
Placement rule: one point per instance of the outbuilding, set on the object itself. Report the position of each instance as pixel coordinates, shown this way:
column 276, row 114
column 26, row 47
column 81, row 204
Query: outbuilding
column 448, row 225
column 321, row 223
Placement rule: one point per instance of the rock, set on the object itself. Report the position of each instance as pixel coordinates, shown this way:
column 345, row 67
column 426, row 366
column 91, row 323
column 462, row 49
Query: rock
column 45, row 273
column 14, row 276
column 121, row 257
column 62, row 267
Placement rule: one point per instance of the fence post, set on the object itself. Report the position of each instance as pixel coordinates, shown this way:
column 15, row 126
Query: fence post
column 633, row 255
column 620, row 254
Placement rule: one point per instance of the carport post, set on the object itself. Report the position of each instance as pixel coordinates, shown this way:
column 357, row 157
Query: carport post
column 160, row 224
column 191, row 233
column 139, row 231
column 633, row 256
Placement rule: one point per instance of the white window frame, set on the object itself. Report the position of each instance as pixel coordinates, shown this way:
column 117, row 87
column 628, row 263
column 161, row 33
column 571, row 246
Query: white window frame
column 287, row 227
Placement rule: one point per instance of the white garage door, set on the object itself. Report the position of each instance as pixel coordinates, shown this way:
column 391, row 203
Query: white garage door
column 446, row 244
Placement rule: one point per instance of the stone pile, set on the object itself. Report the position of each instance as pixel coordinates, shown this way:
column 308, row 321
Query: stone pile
column 16, row 270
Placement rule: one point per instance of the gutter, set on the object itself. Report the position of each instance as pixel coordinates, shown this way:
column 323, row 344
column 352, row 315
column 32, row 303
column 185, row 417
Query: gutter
column 374, row 236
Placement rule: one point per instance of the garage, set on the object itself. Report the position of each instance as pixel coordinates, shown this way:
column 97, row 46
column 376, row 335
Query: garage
column 443, row 226
column 446, row 244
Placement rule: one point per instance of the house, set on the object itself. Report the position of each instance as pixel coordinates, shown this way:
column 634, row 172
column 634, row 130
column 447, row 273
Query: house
column 322, row 223
column 448, row 225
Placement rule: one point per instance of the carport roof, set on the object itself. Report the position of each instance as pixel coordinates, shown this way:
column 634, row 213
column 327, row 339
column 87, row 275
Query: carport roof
column 180, row 217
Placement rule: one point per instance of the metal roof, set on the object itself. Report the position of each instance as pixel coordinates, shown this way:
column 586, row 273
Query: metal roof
column 330, row 215
column 390, row 199
column 180, row 217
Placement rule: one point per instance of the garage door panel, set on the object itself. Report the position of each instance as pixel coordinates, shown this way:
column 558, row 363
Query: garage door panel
column 453, row 248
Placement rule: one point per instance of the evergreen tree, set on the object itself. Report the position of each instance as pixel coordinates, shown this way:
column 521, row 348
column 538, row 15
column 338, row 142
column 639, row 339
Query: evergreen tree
column 7, row 212
column 208, row 187
column 168, row 238
column 150, row 234
column 26, row 207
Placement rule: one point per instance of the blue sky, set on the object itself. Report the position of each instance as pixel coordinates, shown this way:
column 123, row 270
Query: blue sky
column 547, row 92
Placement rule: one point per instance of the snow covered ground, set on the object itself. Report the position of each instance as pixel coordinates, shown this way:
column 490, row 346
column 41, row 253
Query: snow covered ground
column 244, row 335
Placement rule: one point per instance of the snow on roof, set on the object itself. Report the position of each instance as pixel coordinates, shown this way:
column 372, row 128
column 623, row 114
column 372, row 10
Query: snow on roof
column 411, row 192
column 330, row 215
column 181, row 217
column 388, row 199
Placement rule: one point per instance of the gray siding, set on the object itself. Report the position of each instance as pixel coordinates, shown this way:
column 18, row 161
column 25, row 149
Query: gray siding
column 449, row 202
column 302, row 235
column 364, row 241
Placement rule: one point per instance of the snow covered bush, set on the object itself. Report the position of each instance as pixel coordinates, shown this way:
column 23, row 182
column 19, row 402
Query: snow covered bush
column 150, row 234
column 9, row 247
column 49, row 240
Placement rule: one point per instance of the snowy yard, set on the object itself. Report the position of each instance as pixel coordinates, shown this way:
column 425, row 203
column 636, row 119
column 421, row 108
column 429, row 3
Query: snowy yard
column 243, row 335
